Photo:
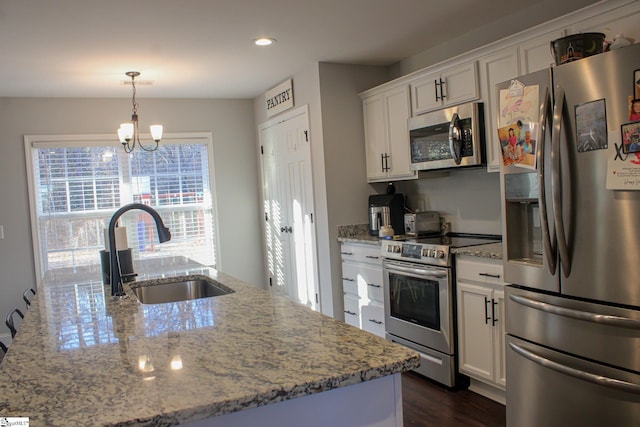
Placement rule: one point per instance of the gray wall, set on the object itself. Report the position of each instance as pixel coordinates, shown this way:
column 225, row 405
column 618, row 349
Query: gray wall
column 344, row 157
column 236, row 173
column 467, row 198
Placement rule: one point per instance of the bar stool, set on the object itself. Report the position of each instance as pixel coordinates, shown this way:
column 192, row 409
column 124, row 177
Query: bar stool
column 27, row 298
column 10, row 323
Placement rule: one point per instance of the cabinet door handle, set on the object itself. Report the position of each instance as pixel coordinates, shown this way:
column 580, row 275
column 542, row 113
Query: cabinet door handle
column 377, row 322
column 435, row 85
column 494, row 319
column 346, row 253
column 384, row 162
column 373, row 285
column 442, row 95
column 348, row 279
column 486, row 311
column 349, row 312
column 372, row 257
column 495, row 276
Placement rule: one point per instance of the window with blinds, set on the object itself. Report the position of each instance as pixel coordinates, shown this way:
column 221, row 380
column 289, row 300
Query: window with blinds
column 77, row 183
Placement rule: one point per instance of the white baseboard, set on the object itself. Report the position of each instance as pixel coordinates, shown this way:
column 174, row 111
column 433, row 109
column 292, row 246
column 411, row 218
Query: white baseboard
column 487, row 390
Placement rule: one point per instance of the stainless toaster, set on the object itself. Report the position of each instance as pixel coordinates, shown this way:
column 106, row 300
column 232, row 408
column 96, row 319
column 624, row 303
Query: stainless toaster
column 422, row 223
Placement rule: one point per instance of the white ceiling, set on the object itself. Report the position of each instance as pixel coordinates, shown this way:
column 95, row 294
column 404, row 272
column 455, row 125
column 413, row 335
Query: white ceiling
column 203, row 48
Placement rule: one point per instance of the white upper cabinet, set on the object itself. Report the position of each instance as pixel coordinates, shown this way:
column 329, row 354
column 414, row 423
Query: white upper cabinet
column 495, row 68
column 386, row 135
column 535, row 53
column 444, row 88
column 473, row 76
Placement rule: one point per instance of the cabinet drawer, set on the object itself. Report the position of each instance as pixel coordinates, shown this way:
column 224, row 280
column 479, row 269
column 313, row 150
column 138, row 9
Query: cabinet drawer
column 374, row 290
column 373, row 318
column 361, row 253
column 352, row 310
column 484, row 270
column 350, row 273
column 362, row 279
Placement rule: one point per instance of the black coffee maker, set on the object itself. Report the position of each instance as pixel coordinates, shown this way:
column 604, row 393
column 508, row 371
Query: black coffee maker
column 393, row 215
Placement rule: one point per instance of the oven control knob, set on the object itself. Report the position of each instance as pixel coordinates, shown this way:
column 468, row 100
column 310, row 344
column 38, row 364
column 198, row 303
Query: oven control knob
column 425, row 252
column 438, row 254
column 396, row 249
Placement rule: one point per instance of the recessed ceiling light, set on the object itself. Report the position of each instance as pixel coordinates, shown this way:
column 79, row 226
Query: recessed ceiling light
column 264, row 41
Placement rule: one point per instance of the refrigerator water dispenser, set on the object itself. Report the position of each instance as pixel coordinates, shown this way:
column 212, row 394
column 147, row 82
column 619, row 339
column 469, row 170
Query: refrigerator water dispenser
column 524, row 233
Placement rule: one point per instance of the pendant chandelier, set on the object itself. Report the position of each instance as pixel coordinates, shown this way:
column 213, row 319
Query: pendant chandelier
column 128, row 132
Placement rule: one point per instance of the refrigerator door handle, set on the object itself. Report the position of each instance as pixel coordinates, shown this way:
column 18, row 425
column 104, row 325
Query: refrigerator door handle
column 587, row 316
column 556, row 181
column 600, row 380
column 549, row 243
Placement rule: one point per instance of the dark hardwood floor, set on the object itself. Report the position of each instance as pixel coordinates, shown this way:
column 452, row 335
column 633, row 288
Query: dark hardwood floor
column 426, row 403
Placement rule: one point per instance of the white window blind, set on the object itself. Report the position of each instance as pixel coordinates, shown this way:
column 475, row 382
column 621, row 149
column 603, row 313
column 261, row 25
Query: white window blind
column 78, row 183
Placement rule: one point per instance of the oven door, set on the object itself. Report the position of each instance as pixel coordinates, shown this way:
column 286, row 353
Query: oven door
column 418, row 304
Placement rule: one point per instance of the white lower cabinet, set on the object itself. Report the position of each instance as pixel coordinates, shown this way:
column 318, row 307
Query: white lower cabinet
column 362, row 287
column 352, row 309
column 372, row 318
column 481, row 330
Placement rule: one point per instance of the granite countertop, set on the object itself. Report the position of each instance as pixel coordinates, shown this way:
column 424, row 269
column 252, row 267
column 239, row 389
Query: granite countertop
column 81, row 358
column 489, row 250
column 358, row 233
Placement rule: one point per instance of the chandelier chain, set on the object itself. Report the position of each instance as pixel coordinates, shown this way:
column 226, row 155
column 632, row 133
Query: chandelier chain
column 133, row 99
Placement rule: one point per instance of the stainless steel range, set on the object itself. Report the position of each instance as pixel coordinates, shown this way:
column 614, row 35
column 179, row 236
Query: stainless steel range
column 419, row 299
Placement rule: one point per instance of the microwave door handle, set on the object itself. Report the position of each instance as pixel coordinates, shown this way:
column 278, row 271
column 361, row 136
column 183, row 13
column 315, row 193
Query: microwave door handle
column 549, row 244
column 556, row 181
column 455, row 136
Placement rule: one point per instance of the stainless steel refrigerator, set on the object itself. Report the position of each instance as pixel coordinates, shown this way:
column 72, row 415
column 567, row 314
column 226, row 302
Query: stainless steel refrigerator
column 571, row 211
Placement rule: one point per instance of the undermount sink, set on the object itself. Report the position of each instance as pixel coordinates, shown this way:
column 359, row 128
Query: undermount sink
column 179, row 289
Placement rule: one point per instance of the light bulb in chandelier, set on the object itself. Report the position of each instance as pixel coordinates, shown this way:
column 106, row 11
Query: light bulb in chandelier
column 128, row 133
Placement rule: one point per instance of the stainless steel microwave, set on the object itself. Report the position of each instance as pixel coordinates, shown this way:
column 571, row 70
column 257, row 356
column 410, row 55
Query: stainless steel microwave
column 448, row 138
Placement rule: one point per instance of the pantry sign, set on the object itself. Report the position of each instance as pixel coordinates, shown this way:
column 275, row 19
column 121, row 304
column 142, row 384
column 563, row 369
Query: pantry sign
column 279, row 98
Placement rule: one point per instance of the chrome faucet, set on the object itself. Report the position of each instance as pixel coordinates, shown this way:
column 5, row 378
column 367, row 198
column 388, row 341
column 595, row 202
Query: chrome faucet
column 164, row 235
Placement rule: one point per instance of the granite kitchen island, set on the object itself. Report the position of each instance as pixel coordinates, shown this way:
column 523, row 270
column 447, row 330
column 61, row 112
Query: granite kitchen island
column 246, row 358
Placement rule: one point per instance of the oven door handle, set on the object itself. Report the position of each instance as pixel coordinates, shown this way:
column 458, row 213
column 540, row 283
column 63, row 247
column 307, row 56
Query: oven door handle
column 416, row 270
